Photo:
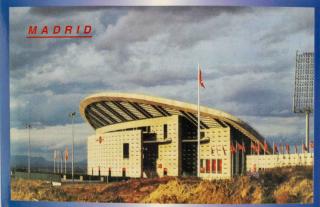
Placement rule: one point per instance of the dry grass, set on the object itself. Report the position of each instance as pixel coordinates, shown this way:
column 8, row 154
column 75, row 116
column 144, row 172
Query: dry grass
column 239, row 190
column 282, row 185
column 285, row 185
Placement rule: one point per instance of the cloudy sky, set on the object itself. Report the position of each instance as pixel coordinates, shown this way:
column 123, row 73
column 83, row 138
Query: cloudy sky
column 247, row 56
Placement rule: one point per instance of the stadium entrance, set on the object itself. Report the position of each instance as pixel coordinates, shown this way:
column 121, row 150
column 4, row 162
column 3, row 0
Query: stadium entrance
column 150, row 156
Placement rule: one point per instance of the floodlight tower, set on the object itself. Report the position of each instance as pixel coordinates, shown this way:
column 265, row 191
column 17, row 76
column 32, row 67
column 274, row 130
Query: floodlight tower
column 303, row 88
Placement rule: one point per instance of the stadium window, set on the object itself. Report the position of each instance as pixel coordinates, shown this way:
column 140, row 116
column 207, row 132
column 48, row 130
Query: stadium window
column 126, row 150
column 165, row 131
column 214, row 166
column 202, row 135
column 207, row 166
column 219, row 166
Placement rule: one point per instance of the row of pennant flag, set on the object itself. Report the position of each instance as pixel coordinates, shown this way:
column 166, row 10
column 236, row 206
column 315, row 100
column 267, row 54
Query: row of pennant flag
column 255, row 147
column 281, row 148
column 57, row 154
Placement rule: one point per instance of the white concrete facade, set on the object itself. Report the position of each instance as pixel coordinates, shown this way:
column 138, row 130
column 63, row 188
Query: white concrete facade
column 215, row 155
column 105, row 153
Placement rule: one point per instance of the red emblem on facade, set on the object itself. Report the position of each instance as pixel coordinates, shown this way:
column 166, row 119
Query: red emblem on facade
column 100, row 140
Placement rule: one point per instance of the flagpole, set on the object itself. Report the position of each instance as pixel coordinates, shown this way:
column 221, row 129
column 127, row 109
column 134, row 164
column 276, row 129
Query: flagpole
column 65, row 163
column 54, row 161
column 198, row 131
column 243, row 148
column 273, row 147
column 231, row 159
column 61, row 162
column 237, row 159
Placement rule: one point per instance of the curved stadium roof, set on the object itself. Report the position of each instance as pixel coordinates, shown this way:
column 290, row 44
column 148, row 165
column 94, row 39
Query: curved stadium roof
column 103, row 109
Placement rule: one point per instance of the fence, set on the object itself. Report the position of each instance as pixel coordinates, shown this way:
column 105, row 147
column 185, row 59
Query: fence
column 37, row 176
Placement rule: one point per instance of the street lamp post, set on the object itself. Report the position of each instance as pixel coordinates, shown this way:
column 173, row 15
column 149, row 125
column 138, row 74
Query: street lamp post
column 28, row 126
column 72, row 115
column 61, row 162
column 54, row 161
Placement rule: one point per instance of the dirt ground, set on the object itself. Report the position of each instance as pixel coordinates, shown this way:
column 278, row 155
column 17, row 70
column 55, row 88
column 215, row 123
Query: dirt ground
column 286, row 185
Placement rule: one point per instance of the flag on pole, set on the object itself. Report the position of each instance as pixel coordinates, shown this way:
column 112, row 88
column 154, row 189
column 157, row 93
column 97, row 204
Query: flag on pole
column 296, row 148
column 253, row 147
column 232, row 149
column 241, row 147
column 265, row 147
column 66, row 154
column 281, row 149
column 288, row 148
column 311, row 145
column 201, row 82
column 258, row 148
column 275, row 148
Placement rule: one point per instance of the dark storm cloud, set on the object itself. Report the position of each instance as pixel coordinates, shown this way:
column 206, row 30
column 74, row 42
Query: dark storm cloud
column 155, row 50
column 261, row 101
column 62, row 11
column 302, row 23
column 29, row 53
column 146, row 22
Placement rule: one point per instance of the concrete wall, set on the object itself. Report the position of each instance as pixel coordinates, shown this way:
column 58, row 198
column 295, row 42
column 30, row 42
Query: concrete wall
column 94, row 155
column 256, row 162
column 109, row 154
column 169, row 154
column 218, row 148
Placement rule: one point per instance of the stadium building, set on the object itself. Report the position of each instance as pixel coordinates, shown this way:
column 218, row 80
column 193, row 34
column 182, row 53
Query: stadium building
column 145, row 136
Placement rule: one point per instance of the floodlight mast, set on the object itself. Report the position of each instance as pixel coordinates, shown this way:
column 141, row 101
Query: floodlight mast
column 303, row 89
